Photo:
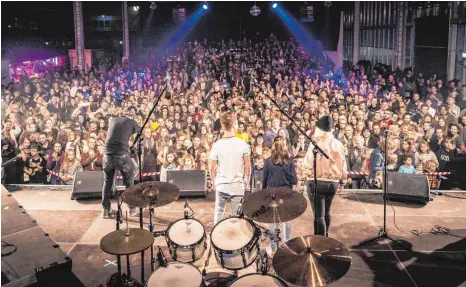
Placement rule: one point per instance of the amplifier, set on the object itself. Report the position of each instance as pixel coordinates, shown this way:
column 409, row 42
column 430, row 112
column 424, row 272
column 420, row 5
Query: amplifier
column 88, row 185
column 190, row 182
column 408, row 187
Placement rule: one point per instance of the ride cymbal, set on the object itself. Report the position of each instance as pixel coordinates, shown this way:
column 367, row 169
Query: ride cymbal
column 151, row 194
column 311, row 260
column 120, row 242
column 274, row 205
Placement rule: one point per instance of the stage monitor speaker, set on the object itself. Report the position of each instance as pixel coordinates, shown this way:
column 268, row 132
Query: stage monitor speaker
column 29, row 255
column 88, row 185
column 190, row 182
column 408, row 187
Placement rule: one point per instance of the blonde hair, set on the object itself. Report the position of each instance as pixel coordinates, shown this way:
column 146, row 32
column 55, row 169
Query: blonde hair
column 280, row 153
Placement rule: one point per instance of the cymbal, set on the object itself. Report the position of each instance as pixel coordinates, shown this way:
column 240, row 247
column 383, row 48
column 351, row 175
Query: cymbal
column 274, row 205
column 151, row 194
column 120, row 243
column 311, row 260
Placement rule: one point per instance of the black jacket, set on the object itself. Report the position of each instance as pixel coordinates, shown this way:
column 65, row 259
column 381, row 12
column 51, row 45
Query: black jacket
column 279, row 175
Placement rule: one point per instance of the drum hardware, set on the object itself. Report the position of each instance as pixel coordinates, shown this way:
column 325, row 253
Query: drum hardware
column 151, row 194
column 206, row 262
column 188, row 209
column 159, row 233
column 161, row 258
column 265, row 266
column 311, row 260
column 186, row 240
column 124, row 243
column 151, row 229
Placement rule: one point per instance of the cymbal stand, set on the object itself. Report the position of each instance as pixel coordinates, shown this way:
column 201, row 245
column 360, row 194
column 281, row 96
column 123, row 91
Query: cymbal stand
column 138, row 140
column 118, row 222
column 151, row 229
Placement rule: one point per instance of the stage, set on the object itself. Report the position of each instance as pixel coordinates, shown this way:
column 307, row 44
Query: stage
column 424, row 260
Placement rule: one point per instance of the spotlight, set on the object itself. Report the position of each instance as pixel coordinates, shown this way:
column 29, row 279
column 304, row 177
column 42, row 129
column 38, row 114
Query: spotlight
column 153, row 6
column 121, row 42
column 274, row 5
column 135, row 8
column 255, row 10
column 328, row 4
column 205, row 6
column 47, row 43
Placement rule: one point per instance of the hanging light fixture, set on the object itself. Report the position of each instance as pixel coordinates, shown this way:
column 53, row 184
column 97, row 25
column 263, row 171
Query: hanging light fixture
column 328, row 4
column 153, row 6
column 255, row 10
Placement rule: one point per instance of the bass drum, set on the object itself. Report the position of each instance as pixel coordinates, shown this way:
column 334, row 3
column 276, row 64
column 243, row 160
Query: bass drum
column 176, row 274
column 258, row 280
column 236, row 242
column 186, row 240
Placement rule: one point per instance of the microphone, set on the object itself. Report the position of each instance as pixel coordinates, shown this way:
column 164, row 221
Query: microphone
column 161, row 258
column 186, row 209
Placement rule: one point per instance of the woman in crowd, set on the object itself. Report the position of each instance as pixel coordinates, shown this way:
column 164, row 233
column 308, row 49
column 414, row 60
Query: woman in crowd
column 69, row 167
column 422, row 156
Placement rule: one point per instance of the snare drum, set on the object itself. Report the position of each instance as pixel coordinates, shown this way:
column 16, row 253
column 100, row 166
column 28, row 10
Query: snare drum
column 186, row 240
column 258, row 280
column 236, row 242
column 176, row 274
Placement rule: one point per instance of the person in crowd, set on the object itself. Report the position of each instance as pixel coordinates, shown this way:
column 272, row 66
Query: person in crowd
column 279, row 171
column 170, row 162
column 230, row 168
column 69, row 167
column 54, row 162
column 446, row 154
column 332, row 174
column 407, row 166
column 423, row 155
column 35, row 166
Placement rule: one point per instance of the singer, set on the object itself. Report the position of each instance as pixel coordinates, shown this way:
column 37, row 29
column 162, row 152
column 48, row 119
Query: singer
column 230, row 168
column 117, row 157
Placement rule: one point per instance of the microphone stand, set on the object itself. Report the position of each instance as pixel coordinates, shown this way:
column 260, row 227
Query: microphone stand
column 138, row 140
column 383, row 231
column 317, row 150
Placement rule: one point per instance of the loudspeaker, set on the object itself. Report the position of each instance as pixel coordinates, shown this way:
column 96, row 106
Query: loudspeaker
column 29, row 255
column 88, row 185
column 190, row 182
column 408, row 187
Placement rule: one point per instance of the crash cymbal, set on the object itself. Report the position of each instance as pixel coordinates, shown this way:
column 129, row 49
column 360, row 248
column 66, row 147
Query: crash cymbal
column 273, row 205
column 120, row 242
column 311, row 260
column 151, row 194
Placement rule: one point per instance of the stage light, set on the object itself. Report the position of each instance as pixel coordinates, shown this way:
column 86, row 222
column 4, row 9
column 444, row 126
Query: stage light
column 103, row 16
column 274, row 5
column 47, row 43
column 135, row 8
column 205, row 6
column 255, row 10
column 328, row 4
column 153, row 6
column 121, row 42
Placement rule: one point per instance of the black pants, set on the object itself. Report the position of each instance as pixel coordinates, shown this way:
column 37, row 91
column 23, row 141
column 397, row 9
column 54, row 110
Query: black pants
column 326, row 191
column 111, row 163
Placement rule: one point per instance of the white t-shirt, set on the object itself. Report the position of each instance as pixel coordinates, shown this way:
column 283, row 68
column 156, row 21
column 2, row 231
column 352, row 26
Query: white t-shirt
column 229, row 153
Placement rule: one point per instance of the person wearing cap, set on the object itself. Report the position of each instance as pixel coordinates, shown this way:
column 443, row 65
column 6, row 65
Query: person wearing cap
column 332, row 173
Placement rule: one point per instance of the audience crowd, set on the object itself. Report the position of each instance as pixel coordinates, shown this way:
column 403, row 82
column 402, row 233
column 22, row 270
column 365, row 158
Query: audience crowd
column 58, row 122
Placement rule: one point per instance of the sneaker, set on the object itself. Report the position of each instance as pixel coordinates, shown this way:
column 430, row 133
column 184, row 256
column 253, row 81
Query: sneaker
column 134, row 212
column 108, row 213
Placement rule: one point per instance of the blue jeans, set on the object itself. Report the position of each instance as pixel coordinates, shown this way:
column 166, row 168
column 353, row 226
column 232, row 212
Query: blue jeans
column 326, row 191
column 223, row 196
column 111, row 163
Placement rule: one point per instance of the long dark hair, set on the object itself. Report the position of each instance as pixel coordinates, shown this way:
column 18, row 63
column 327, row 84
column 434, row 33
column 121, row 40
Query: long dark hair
column 280, row 155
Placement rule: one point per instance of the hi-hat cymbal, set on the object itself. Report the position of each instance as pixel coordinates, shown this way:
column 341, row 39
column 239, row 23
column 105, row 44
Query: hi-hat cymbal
column 312, row 260
column 119, row 242
column 273, row 205
column 151, row 194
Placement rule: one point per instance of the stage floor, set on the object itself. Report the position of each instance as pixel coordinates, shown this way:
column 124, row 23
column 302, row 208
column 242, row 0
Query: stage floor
column 424, row 260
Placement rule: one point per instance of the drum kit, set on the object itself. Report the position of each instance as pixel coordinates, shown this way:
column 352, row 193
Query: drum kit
column 235, row 241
